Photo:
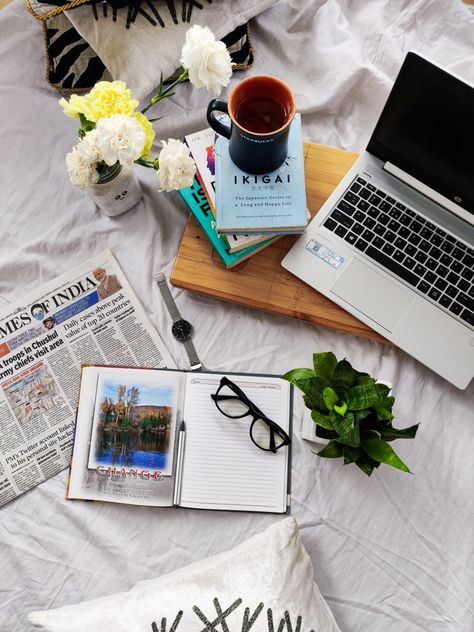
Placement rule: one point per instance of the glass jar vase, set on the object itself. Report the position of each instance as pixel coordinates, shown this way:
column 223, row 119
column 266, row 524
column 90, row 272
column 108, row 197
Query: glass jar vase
column 117, row 190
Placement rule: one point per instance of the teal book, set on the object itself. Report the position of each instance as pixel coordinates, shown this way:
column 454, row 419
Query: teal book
column 198, row 204
column 270, row 203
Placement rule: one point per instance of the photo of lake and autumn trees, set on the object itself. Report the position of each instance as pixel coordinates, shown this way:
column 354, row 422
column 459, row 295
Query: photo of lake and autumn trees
column 133, row 426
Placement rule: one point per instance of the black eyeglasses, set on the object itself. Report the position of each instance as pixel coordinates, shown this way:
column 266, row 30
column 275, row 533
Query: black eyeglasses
column 234, row 403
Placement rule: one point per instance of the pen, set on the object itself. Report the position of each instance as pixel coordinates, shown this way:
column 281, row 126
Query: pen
column 179, row 463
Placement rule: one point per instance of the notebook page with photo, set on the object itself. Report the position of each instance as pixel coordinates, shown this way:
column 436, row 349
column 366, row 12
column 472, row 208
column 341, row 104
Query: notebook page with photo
column 222, row 468
column 125, row 435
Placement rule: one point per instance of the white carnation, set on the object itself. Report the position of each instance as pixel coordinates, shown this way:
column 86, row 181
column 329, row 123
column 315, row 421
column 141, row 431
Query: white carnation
column 120, row 138
column 82, row 161
column 176, row 167
column 88, row 147
column 206, row 59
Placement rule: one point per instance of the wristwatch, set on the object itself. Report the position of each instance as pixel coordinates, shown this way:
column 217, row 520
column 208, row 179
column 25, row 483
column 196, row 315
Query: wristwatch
column 181, row 329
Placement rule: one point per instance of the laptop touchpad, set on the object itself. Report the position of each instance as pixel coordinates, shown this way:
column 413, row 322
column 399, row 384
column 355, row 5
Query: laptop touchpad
column 372, row 294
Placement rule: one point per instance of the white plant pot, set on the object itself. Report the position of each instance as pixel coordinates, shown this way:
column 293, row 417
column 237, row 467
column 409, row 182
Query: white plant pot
column 116, row 192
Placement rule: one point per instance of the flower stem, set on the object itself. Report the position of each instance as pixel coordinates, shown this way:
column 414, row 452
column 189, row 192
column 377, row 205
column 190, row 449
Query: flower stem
column 163, row 92
column 145, row 163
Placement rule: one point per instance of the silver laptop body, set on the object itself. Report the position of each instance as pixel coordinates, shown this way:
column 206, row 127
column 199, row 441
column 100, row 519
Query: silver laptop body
column 394, row 243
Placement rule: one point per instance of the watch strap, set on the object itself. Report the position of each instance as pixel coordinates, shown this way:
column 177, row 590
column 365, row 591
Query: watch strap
column 167, row 296
column 175, row 315
column 192, row 354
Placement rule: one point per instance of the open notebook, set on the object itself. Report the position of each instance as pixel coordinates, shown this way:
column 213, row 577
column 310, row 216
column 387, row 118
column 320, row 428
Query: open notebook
column 131, row 445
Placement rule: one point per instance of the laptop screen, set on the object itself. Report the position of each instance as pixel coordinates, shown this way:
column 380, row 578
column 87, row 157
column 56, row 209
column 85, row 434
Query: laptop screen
column 427, row 129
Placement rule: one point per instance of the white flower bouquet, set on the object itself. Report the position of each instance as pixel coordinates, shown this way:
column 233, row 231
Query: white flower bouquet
column 113, row 134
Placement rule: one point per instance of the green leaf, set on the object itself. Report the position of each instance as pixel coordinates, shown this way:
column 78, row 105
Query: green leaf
column 295, row 375
column 362, row 414
column 379, row 450
column 324, row 364
column 86, row 125
column 364, row 379
column 387, row 402
column 351, row 455
column 313, row 388
column 344, row 375
column 383, row 413
column 341, row 410
column 347, row 429
column 330, row 397
column 366, row 396
column 332, row 451
column 366, row 464
column 389, row 434
column 321, row 419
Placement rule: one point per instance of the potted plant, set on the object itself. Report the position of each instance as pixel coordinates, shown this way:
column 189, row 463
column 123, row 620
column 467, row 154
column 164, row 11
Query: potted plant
column 351, row 409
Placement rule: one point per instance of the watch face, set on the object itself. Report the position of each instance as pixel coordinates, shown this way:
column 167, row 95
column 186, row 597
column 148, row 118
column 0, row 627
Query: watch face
column 181, row 330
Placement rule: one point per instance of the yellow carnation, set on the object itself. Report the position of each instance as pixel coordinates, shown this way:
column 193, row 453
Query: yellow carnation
column 149, row 133
column 73, row 107
column 106, row 99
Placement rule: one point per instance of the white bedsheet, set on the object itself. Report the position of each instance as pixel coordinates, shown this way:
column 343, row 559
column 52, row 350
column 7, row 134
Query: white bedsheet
column 391, row 553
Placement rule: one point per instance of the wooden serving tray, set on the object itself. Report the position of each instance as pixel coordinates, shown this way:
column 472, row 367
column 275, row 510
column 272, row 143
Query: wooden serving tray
column 260, row 281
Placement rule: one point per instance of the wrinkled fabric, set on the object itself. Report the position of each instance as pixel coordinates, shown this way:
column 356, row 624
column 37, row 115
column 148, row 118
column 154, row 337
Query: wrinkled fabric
column 391, row 553
column 267, row 578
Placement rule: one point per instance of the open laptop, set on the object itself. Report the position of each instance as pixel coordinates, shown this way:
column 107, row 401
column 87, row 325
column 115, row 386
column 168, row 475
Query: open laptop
column 394, row 243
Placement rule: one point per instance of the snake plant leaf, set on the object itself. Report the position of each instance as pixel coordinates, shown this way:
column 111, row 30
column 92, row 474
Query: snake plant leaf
column 351, row 455
column 384, row 410
column 383, row 413
column 366, row 464
column 295, row 375
column 364, row 379
column 313, row 388
column 341, row 410
column 365, row 396
column 321, row 419
column 344, row 375
column 333, row 450
column 389, row 434
column 379, row 450
column 388, row 402
column 324, row 363
column 348, row 429
column 330, row 397
column 361, row 414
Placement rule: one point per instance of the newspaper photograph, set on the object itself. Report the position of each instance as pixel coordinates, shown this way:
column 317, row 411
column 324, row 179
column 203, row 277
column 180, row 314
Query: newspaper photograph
column 87, row 316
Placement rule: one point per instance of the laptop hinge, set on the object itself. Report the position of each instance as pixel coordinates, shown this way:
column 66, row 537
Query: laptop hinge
column 428, row 192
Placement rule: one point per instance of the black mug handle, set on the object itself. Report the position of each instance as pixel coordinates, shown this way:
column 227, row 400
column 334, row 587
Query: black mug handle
column 220, row 106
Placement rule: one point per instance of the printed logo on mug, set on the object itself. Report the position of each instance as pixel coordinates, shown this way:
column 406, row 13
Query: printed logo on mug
column 261, row 109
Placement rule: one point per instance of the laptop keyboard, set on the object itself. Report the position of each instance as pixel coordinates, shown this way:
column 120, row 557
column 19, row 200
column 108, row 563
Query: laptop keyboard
column 408, row 246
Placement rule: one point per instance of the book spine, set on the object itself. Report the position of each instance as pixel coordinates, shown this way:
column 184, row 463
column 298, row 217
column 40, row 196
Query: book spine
column 198, row 204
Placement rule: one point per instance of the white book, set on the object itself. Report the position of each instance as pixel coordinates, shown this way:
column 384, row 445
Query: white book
column 156, row 437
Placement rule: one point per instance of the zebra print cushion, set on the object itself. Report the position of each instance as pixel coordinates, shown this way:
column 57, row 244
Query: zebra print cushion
column 73, row 66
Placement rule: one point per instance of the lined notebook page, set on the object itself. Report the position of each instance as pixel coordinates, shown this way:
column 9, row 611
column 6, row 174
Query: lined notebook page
column 222, row 468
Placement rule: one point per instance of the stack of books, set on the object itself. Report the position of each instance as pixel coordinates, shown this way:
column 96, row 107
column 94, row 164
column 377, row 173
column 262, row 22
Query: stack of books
column 242, row 213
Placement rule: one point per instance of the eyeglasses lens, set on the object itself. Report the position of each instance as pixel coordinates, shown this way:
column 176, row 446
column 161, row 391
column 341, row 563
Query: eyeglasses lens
column 229, row 404
column 262, row 435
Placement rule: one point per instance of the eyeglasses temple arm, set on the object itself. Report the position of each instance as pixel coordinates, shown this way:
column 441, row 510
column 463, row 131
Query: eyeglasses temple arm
column 220, row 397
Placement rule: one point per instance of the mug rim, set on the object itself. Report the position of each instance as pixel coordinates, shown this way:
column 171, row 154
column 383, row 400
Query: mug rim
column 276, row 131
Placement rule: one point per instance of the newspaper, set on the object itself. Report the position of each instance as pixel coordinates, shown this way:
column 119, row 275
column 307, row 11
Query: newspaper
column 89, row 315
